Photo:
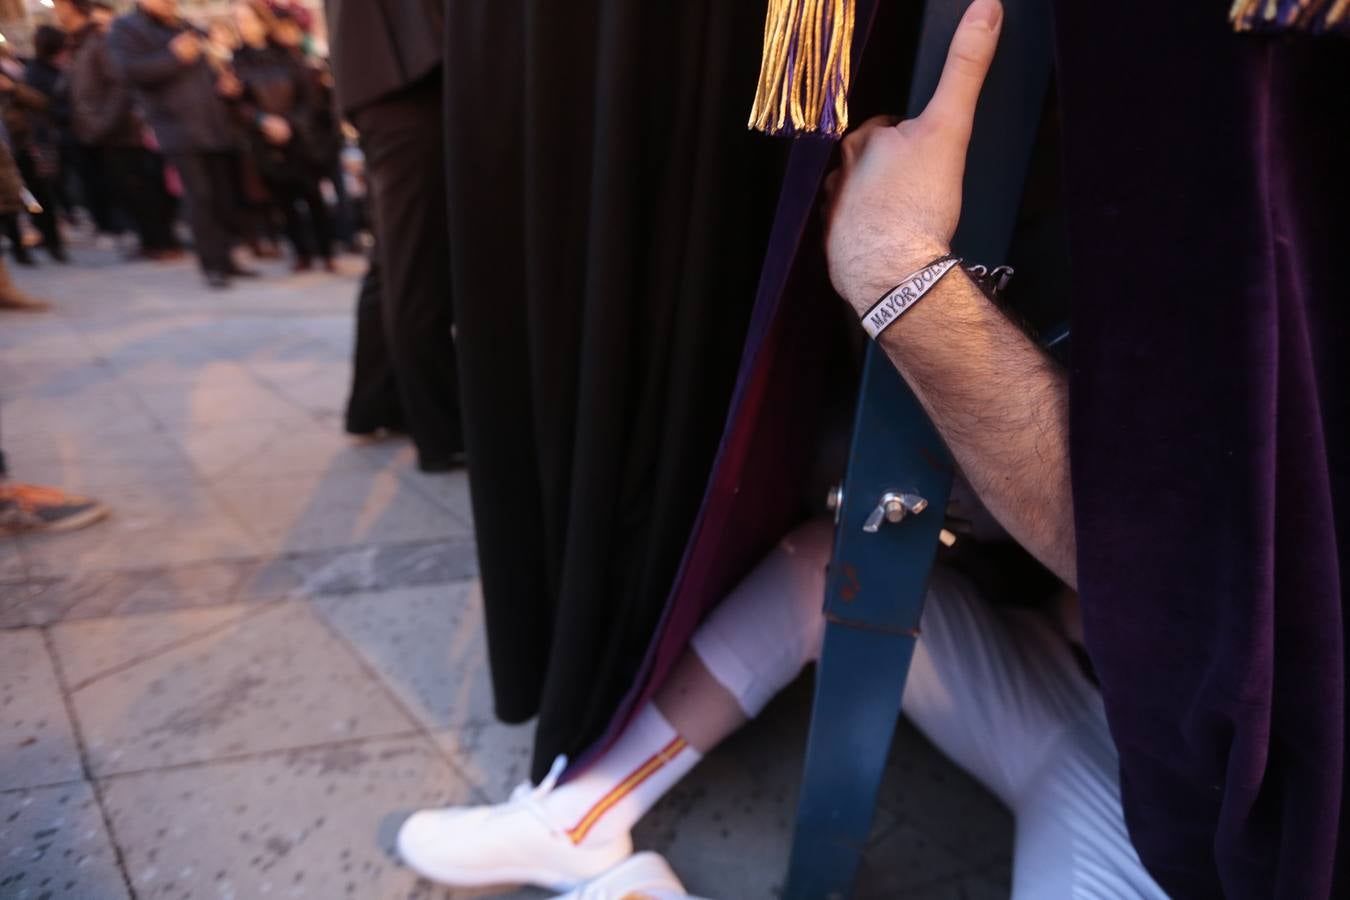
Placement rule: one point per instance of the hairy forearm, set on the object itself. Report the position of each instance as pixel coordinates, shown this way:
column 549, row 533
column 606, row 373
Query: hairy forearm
column 1002, row 406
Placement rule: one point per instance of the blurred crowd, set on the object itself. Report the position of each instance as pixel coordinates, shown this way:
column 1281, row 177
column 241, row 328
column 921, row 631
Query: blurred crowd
column 129, row 124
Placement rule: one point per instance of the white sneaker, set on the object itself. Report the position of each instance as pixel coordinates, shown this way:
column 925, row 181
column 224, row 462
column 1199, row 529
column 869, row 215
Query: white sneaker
column 509, row 843
column 645, row 876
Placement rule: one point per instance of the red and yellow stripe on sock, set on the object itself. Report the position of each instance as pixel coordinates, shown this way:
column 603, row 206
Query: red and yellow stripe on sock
column 578, row 833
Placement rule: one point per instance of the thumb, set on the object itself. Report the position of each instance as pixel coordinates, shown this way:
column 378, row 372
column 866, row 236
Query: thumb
column 968, row 60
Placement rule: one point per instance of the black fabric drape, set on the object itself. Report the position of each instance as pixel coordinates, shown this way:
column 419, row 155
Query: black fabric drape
column 608, row 217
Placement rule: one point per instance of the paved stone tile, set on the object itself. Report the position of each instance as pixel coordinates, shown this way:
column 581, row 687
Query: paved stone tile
column 95, row 475
column 53, row 844
column 340, row 509
column 427, row 644
column 37, row 745
column 270, row 346
column 44, row 377
column 100, row 594
column 42, row 340
column 97, row 410
column 202, row 368
column 26, row 330
column 180, row 406
column 925, row 790
column 13, row 566
column 15, row 597
column 450, row 489
column 130, row 341
column 276, row 679
column 338, row 330
column 907, row 863
column 214, row 375
column 95, row 462
column 151, row 526
column 321, row 389
column 315, row 823
column 95, row 647
column 254, row 451
column 146, row 448
column 385, row 566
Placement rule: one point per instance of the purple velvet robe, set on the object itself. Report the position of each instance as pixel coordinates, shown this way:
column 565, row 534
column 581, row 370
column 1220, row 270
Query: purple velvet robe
column 1208, row 190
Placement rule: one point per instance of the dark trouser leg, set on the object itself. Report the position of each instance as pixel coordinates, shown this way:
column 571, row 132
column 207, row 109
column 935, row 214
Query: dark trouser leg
column 9, row 226
column 344, row 228
column 321, row 224
column 210, row 231
column 227, row 174
column 374, row 401
column 135, row 183
column 286, row 195
column 404, row 158
column 43, row 191
column 159, row 205
column 97, row 187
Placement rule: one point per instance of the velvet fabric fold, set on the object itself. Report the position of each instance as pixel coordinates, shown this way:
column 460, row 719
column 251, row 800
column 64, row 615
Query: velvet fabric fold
column 609, row 211
column 1209, row 208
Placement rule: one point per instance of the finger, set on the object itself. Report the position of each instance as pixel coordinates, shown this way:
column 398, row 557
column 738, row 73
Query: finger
column 968, row 60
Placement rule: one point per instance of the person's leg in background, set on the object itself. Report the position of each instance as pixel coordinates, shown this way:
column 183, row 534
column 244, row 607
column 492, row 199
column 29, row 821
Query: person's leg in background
column 98, row 189
column 129, row 186
column 286, row 193
column 344, row 222
column 320, row 222
column 404, row 143
column 227, row 199
column 43, row 190
column 209, row 233
column 374, row 403
column 160, row 207
column 9, row 227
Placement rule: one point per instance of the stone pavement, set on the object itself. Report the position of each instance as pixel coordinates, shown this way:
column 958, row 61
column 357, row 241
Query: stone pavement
column 240, row 683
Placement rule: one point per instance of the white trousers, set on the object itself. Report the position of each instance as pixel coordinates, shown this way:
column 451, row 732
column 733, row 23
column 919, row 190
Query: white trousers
column 998, row 692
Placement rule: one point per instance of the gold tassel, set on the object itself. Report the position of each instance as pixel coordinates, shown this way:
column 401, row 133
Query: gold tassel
column 1312, row 16
column 804, row 76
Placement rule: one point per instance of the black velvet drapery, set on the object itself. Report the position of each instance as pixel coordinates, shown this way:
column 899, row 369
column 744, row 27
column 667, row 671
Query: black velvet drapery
column 609, row 212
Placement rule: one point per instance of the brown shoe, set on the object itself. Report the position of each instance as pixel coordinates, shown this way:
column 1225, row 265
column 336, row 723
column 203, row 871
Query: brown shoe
column 27, row 508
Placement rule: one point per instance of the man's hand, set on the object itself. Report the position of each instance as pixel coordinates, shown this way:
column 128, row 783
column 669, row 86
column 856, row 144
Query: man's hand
column 6, row 83
column 275, row 129
column 1000, row 404
column 186, row 47
column 893, row 204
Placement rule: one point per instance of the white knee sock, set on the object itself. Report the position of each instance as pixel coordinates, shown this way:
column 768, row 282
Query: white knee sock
column 754, row 644
column 766, row 630
column 607, row 799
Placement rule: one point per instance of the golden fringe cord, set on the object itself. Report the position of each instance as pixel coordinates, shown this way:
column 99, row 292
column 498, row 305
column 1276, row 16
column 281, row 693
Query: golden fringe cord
column 804, row 75
column 1304, row 15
